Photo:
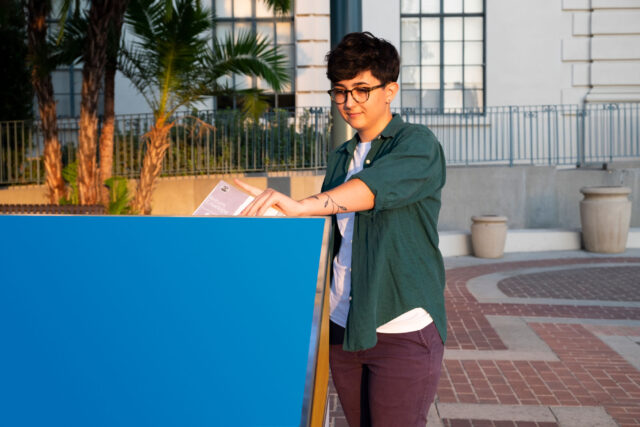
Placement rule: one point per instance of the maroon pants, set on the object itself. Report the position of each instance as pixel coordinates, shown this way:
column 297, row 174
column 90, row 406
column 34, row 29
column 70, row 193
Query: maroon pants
column 391, row 384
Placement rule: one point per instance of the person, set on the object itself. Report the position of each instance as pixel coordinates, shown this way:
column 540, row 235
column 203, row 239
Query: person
column 388, row 320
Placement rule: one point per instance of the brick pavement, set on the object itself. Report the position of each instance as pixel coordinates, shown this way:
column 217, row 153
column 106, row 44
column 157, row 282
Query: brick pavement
column 484, row 373
column 447, row 422
column 620, row 284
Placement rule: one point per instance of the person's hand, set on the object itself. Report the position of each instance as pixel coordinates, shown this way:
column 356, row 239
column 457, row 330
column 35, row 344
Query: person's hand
column 267, row 199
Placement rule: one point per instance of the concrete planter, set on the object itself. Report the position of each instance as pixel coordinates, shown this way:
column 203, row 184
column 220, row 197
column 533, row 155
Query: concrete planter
column 605, row 214
column 488, row 235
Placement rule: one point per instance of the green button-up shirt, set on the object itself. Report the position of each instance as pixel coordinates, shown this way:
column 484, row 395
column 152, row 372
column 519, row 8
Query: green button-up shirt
column 396, row 264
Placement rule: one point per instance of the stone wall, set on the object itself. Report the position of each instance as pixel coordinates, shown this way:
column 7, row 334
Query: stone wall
column 531, row 197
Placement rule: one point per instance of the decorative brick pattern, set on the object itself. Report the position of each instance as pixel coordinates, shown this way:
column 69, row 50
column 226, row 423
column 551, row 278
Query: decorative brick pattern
column 604, row 284
column 587, row 373
column 468, row 327
column 624, row 331
column 447, row 422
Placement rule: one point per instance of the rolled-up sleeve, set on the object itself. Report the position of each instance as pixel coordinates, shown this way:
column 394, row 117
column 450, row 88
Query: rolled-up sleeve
column 412, row 170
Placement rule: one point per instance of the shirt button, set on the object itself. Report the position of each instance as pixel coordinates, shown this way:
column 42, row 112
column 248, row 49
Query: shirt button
column 350, row 298
column 367, row 161
column 349, row 269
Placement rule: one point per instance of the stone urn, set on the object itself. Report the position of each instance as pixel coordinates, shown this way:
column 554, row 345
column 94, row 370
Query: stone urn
column 488, row 235
column 605, row 215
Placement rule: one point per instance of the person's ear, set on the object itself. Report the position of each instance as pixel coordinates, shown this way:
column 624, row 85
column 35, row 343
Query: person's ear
column 390, row 91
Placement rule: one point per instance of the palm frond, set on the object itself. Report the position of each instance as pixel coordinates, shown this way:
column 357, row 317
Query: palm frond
column 171, row 63
column 69, row 49
column 169, row 39
column 249, row 55
column 143, row 17
column 132, row 64
column 279, row 6
column 253, row 103
column 65, row 9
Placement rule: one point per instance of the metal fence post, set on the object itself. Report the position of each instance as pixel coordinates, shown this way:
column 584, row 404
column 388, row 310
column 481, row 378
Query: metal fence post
column 581, row 131
column 611, row 108
column 465, row 115
column 510, row 136
column 547, row 109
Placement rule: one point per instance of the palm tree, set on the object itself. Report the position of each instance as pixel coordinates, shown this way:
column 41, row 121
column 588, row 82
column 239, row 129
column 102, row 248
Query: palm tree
column 172, row 65
column 101, row 15
column 41, row 65
column 73, row 46
column 106, row 137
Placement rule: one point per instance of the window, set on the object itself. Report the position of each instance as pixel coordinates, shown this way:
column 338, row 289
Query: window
column 232, row 17
column 442, row 49
column 67, row 86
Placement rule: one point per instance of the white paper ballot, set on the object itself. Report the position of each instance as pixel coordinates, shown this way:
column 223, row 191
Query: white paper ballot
column 226, row 200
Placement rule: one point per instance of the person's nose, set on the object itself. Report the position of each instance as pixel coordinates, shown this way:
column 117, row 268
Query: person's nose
column 349, row 101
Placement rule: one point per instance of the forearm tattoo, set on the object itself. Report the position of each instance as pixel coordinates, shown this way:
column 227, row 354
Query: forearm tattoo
column 329, row 202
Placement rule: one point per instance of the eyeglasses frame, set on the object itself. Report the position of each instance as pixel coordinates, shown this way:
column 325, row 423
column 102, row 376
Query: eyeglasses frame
column 350, row 92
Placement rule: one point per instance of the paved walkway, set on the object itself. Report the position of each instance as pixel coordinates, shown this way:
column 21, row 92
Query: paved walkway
column 539, row 339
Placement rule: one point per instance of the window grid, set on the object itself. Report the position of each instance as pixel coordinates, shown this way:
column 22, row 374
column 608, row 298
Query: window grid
column 253, row 22
column 443, row 16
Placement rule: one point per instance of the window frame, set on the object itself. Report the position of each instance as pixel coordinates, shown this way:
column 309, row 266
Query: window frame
column 253, row 20
column 441, row 16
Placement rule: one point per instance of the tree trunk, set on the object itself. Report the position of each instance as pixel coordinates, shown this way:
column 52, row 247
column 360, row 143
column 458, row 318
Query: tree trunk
column 101, row 14
column 157, row 146
column 106, row 138
column 38, row 11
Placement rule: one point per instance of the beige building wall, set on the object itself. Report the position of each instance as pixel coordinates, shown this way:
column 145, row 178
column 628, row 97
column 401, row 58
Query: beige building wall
column 182, row 195
column 603, row 51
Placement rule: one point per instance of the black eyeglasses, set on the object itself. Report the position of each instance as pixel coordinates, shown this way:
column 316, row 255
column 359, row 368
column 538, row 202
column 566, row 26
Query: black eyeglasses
column 359, row 94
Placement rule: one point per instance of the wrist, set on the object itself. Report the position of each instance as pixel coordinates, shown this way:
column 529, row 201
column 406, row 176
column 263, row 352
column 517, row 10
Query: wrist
column 305, row 207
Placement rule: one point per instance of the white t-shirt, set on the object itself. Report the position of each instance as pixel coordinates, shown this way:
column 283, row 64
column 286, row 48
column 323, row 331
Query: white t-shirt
column 412, row 320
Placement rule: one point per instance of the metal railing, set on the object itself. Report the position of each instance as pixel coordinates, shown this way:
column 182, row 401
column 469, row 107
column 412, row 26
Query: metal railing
column 204, row 142
column 537, row 135
column 211, row 142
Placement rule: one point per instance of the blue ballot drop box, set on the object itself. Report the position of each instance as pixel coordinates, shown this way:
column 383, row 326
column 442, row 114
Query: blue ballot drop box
column 162, row 321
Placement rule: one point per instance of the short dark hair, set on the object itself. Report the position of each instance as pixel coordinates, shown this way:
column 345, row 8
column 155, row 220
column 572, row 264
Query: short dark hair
column 358, row 52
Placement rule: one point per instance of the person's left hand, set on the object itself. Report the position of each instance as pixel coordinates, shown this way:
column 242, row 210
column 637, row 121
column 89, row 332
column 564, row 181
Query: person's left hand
column 267, row 199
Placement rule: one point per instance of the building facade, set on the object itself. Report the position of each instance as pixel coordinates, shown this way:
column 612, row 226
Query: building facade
column 456, row 54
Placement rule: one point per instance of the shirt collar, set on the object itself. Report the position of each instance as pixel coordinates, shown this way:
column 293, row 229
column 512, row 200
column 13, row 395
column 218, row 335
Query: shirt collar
column 388, row 132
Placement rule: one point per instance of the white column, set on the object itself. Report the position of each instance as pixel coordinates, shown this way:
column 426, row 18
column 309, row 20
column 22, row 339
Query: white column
column 312, row 29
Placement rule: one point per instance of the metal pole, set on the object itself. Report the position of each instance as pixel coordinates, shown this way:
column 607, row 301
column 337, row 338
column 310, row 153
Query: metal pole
column 346, row 17
column 581, row 133
column 511, row 136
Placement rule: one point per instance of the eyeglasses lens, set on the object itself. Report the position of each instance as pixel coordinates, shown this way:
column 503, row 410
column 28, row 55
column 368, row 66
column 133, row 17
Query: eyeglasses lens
column 360, row 95
column 339, row 96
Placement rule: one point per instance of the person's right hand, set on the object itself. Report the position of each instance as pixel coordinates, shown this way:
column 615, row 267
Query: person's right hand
column 269, row 198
